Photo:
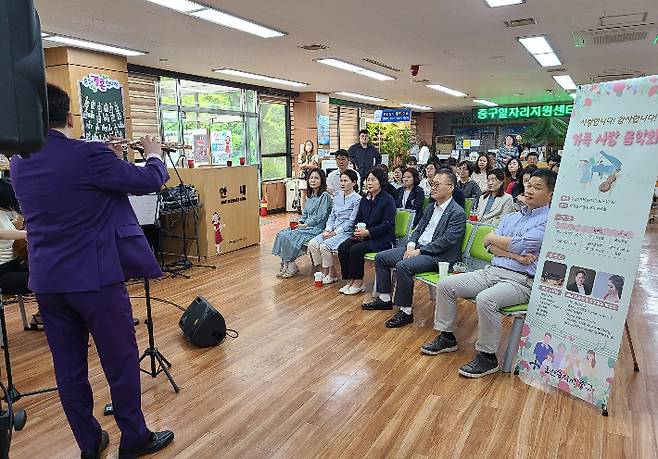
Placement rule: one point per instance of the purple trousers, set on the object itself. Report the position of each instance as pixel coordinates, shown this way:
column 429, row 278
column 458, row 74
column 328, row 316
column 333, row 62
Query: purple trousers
column 68, row 319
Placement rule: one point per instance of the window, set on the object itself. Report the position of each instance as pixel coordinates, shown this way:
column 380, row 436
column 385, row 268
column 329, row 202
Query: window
column 274, row 140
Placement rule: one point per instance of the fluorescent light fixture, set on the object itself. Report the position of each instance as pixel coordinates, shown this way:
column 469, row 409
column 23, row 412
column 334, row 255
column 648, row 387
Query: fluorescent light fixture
column 488, row 103
column 77, row 43
column 497, row 3
column 234, row 22
column 354, row 68
column 452, row 92
column 566, row 82
column 182, row 6
column 547, row 60
column 417, row 107
column 360, row 96
column 572, row 95
column 536, row 45
column 541, row 50
column 254, row 76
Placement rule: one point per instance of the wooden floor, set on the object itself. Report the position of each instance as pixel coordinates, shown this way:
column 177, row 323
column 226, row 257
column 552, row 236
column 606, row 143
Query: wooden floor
column 313, row 375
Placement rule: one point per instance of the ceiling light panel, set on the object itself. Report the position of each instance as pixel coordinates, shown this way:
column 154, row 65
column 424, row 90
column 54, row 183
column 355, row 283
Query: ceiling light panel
column 182, row 6
column 77, row 43
column 498, row 3
column 566, row 82
column 360, row 96
column 452, row 92
column 234, row 22
column 547, row 60
column 254, row 76
column 337, row 63
column 417, row 107
column 488, row 103
column 536, row 45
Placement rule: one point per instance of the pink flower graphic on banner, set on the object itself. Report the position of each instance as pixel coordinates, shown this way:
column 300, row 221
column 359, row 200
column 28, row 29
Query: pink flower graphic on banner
column 609, row 381
column 564, row 386
column 652, row 91
column 619, row 88
column 588, row 102
column 525, row 331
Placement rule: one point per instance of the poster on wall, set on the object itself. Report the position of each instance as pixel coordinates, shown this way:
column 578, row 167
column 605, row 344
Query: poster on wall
column 221, row 146
column 323, row 131
column 593, row 238
column 101, row 107
column 200, row 146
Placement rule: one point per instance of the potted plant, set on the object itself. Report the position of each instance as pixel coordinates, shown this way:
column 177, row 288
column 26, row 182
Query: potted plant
column 392, row 140
column 549, row 132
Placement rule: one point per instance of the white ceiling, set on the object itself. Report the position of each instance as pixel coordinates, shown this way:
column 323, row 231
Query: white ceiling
column 462, row 44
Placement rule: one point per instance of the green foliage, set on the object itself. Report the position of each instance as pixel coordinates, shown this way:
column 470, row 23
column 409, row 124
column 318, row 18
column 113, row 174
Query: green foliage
column 274, row 168
column 273, row 128
column 392, row 140
column 547, row 131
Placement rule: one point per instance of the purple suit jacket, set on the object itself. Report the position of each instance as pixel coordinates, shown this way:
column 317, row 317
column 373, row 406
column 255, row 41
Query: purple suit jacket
column 82, row 230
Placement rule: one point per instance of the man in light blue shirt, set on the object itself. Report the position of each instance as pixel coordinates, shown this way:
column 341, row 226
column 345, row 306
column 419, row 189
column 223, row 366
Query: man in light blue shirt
column 515, row 244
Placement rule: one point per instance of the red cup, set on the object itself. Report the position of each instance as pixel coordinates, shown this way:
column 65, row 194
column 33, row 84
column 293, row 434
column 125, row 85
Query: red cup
column 229, row 163
column 190, row 163
column 318, row 283
column 242, row 160
column 294, row 225
column 473, row 218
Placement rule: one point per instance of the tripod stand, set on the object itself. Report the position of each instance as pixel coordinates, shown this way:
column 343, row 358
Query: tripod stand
column 151, row 351
column 183, row 263
column 13, row 394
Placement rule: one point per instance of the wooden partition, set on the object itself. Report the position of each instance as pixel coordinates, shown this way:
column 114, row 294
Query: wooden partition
column 232, row 192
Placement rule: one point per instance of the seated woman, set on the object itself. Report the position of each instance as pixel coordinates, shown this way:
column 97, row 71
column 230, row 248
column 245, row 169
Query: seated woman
column 494, row 204
column 480, row 171
column 430, row 172
column 513, row 170
column 339, row 226
column 14, row 273
column 397, row 176
column 518, row 190
column 289, row 242
column 377, row 214
column 468, row 186
column 411, row 195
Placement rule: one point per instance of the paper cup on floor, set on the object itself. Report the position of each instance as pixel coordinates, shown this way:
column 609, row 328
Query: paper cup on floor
column 318, row 279
column 443, row 269
column 361, row 226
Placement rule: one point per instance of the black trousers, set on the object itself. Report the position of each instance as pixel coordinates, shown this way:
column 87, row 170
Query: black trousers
column 13, row 277
column 350, row 254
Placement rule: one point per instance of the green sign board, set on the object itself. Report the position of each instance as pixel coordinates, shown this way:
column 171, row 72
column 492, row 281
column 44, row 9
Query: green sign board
column 101, row 107
column 522, row 112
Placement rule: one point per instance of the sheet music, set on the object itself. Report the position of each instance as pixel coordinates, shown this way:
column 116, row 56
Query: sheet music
column 145, row 207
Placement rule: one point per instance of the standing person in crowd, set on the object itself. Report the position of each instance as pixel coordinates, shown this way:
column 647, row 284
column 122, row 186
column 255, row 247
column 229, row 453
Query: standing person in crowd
column 518, row 140
column 411, row 195
column 364, row 155
column 480, row 170
column 339, row 226
column 426, row 183
column 494, row 204
column 493, row 161
column 307, row 160
column 468, row 186
column 513, row 171
column 436, row 239
column 85, row 242
column 289, row 242
column 515, row 245
column 507, row 150
column 375, row 231
column 424, row 153
column 333, row 179
column 397, row 176
column 532, row 158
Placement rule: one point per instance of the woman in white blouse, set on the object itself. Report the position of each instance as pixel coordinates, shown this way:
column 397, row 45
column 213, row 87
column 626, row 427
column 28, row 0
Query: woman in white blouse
column 494, row 204
column 482, row 168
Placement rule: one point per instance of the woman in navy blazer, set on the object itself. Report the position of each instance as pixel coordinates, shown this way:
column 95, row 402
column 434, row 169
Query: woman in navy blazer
column 410, row 195
column 377, row 211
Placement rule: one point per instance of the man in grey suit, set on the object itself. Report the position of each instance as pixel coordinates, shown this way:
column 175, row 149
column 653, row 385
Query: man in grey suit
column 437, row 238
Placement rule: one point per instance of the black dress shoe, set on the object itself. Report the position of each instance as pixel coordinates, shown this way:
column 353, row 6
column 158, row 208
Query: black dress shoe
column 377, row 305
column 400, row 319
column 96, row 453
column 158, row 441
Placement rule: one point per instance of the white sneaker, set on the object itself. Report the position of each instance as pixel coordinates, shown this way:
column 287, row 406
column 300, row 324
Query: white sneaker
column 290, row 272
column 355, row 290
column 344, row 288
column 328, row 280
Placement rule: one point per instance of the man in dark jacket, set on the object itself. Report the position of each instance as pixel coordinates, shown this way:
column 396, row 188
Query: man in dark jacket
column 364, row 155
column 438, row 238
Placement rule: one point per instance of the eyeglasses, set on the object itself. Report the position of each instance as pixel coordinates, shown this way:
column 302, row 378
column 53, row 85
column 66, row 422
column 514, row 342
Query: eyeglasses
column 438, row 184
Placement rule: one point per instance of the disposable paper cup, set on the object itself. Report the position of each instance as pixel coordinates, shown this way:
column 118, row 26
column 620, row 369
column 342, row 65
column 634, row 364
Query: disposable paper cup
column 361, row 226
column 473, row 218
column 443, row 269
column 294, row 225
column 318, row 279
column 242, row 160
column 229, row 163
column 190, row 163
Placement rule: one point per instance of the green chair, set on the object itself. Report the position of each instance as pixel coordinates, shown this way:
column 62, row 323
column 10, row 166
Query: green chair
column 477, row 256
column 426, row 201
column 467, row 236
column 403, row 221
column 518, row 311
column 468, row 205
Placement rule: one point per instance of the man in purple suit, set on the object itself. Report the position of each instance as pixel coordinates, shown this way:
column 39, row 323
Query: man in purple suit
column 85, row 241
